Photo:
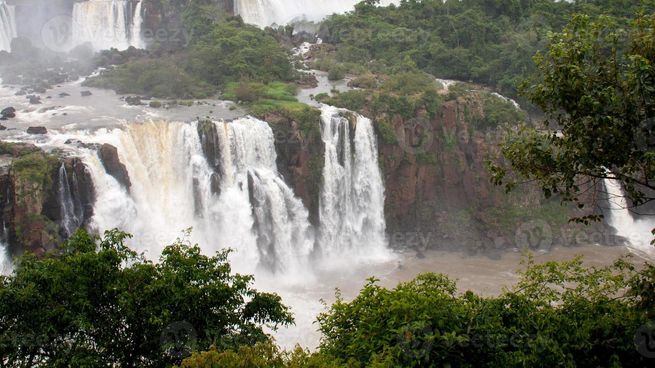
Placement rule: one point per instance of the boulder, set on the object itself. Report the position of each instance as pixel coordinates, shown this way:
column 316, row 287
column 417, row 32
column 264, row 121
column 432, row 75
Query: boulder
column 133, row 100
column 37, row 130
column 2, row 127
column 64, row 94
column 34, row 100
column 113, row 166
column 8, row 112
column 86, row 93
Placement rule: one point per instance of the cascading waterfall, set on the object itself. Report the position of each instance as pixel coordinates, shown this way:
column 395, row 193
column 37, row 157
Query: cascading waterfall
column 352, row 199
column 6, row 265
column 252, row 211
column 137, row 22
column 71, row 208
column 7, row 26
column 636, row 230
column 268, row 12
column 107, row 24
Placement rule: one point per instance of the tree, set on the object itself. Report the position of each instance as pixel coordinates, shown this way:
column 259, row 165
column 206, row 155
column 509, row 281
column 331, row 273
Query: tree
column 559, row 314
column 597, row 89
column 98, row 304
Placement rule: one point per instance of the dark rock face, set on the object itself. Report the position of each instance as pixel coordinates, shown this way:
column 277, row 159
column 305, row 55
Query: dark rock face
column 37, row 130
column 300, row 159
column 30, row 197
column 113, row 166
column 211, row 149
column 439, row 188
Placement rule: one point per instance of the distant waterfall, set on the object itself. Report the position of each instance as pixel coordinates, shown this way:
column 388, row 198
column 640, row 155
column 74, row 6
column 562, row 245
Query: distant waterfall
column 107, row 24
column 636, row 231
column 6, row 265
column 7, row 26
column 243, row 204
column 268, row 12
column 352, row 199
column 137, row 22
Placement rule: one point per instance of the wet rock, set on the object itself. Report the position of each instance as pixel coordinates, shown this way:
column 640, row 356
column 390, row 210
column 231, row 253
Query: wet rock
column 2, row 127
column 64, row 94
column 8, row 113
column 37, row 130
column 34, row 100
column 86, row 93
column 133, row 100
column 46, row 109
column 113, row 166
column 80, row 144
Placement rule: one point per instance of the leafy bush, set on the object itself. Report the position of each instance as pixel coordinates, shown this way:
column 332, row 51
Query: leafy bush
column 559, row 314
column 97, row 303
column 231, row 51
column 161, row 78
column 336, row 73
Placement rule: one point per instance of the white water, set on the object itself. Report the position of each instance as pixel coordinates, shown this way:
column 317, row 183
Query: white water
column 255, row 213
column 70, row 210
column 268, row 12
column 107, row 24
column 7, row 26
column 637, row 231
column 6, row 266
column 352, row 198
column 137, row 22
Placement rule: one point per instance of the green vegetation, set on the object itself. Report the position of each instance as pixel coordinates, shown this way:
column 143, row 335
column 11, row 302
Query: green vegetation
column 278, row 100
column 481, row 41
column 161, row 78
column 35, row 170
column 229, row 51
column 559, row 314
column 596, row 86
column 98, row 304
column 403, row 95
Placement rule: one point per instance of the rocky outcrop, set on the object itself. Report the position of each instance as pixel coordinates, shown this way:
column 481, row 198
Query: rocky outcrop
column 211, row 148
column 300, row 160
column 438, row 186
column 113, row 166
column 31, row 189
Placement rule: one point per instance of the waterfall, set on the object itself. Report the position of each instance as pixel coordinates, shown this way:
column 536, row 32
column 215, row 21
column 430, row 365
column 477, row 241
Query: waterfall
column 71, row 208
column 268, row 12
column 6, row 266
column 637, row 231
column 137, row 22
column 252, row 211
column 7, row 26
column 107, row 24
column 352, row 199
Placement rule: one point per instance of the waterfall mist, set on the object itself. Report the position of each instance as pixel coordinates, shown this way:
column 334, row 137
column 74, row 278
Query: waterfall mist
column 636, row 230
column 219, row 178
column 107, row 24
column 7, row 25
column 268, row 12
